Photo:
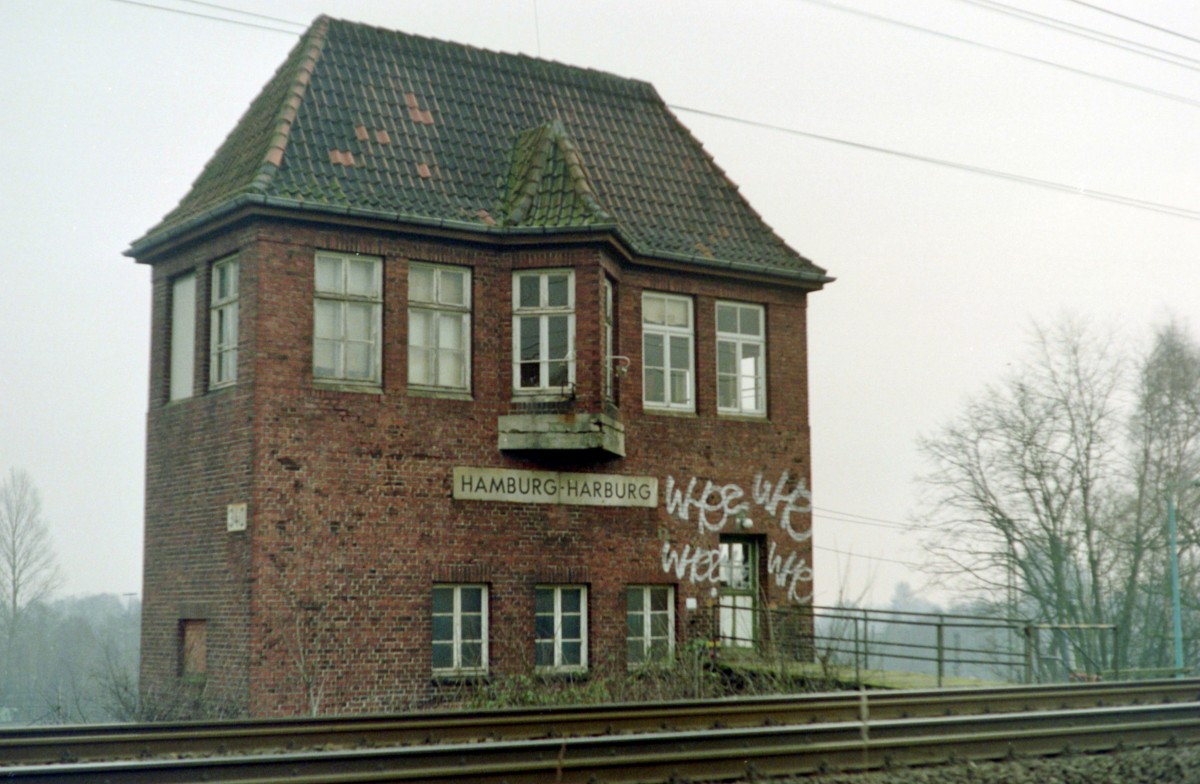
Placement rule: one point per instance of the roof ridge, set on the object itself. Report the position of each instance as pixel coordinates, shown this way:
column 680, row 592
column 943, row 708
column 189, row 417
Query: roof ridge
column 467, row 51
column 317, row 35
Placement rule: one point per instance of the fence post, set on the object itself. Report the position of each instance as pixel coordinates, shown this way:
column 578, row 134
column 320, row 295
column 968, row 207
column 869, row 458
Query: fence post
column 1116, row 652
column 857, row 654
column 941, row 650
column 1030, row 652
column 866, row 638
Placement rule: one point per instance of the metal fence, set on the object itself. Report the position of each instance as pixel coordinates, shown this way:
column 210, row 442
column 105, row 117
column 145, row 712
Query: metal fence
column 939, row 645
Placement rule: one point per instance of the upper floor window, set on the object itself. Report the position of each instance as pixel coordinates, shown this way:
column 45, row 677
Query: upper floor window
column 543, row 329
column 347, row 316
column 667, row 335
column 460, row 629
column 223, row 324
column 741, row 359
column 439, row 326
column 560, row 623
column 609, row 368
column 181, row 370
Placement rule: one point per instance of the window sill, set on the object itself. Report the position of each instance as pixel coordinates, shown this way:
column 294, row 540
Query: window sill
column 560, row 672
column 459, row 676
column 542, row 396
column 670, row 412
column 734, row 416
column 334, row 385
column 441, row 393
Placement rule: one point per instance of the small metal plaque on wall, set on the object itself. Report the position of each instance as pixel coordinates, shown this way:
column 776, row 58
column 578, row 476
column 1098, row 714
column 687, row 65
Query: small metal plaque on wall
column 235, row 517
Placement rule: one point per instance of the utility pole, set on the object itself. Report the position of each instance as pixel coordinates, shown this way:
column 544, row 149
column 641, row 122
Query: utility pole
column 1176, row 609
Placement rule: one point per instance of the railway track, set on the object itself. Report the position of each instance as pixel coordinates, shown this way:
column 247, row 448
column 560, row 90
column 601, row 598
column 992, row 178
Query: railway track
column 710, row 740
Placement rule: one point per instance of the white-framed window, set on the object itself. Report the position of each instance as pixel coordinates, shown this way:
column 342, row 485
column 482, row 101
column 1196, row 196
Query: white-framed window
column 741, row 359
column 182, row 366
column 667, row 337
column 439, row 326
column 738, row 579
column 460, row 629
column 650, row 623
column 560, row 624
column 223, row 324
column 543, row 330
column 610, row 369
column 348, row 312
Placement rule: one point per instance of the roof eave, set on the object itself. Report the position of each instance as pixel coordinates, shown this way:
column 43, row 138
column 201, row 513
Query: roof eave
column 149, row 244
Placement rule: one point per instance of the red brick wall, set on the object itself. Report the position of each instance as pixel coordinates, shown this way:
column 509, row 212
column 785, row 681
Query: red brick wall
column 351, row 519
column 197, row 462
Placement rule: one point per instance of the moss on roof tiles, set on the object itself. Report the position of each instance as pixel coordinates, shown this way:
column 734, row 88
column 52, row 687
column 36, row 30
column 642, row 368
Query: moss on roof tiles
column 548, row 184
column 366, row 120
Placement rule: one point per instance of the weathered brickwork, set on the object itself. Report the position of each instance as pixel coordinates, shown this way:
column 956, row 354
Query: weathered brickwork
column 324, row 602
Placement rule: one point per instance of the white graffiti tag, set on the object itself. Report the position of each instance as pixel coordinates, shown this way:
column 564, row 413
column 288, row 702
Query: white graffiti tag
column 715, row 505
column 703, row 566
column 789, row 573
column 798, row 499
column 713, row 499
column 699, row 565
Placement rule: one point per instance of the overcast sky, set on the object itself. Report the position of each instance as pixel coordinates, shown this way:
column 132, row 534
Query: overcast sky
column 111, row 108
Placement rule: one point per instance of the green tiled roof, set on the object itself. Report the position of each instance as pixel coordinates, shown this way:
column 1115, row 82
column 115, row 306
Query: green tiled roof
column 370, row 122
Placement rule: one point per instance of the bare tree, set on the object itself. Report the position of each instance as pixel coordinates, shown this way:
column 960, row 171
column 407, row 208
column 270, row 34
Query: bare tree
column 1051, row 487
column 28, row 567
column 1024, row 481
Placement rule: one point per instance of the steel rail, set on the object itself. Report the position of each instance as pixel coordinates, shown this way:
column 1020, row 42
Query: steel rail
column 710, row 755
column 96, row 742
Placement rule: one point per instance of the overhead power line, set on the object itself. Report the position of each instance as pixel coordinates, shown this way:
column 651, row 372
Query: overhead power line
column 1088, row 33
column 211, row 17
column 908, row 564
column 1062, row 187
column 1136, row 21
column 232, row 10
column 1042, row 61
column 876, row 522
column 1129, row 201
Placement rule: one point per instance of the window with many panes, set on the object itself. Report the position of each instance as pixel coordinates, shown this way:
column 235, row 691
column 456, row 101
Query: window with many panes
column 560, row 628
column 223, row 324
column 348, row 312
column 439, row 326
column 650, row 623
column 460, row 629
column 738, row 590
column 181, row 371
column 667, row 335
column 741, row 359
column 609, row 368
column 543, row 330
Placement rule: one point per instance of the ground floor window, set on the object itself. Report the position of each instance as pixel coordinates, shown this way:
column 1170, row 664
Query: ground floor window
column 650, row 623
column 193, row 648
column 560, row 628
column 460, row 638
